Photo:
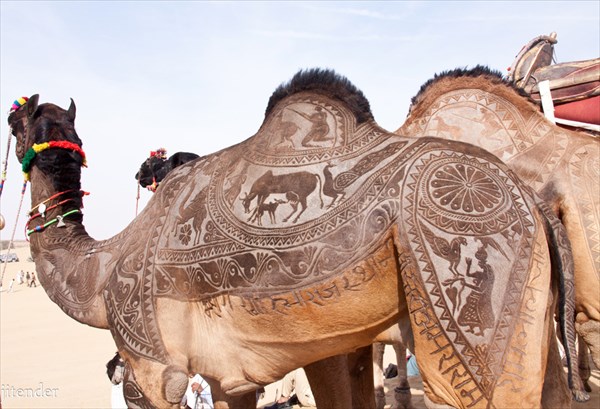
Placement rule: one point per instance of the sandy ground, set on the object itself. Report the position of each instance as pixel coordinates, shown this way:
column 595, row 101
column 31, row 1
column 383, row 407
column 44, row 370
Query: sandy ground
column 48, row 360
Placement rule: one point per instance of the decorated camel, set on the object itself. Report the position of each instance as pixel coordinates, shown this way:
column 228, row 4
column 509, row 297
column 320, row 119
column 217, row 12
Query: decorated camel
column 151, row 173
column 195, row 284
column 480, row 107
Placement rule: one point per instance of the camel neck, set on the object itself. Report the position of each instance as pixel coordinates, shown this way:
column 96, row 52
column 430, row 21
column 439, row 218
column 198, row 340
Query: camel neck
column 69, row 268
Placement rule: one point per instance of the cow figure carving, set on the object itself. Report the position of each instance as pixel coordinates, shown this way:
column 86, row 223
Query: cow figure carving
column 296, row 186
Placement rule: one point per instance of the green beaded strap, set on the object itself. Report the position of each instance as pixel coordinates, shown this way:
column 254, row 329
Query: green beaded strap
column 58, row 219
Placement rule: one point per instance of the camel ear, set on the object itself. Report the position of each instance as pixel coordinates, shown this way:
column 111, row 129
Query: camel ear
column 72, row 110
column 32, row 105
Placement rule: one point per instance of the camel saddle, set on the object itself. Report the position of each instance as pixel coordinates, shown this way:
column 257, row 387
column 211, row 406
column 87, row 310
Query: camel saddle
column 574, row 87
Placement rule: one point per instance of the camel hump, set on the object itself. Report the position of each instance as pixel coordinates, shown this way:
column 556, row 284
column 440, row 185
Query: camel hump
column 476, row 72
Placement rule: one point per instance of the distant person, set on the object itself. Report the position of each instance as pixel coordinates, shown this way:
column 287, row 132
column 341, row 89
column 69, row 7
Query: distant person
column 197, row 395
column 28, row 279
column 411, row 365
column 33, row 282
column 10, row 287
column 296, row 382
column 20, row 277
column 115, row 370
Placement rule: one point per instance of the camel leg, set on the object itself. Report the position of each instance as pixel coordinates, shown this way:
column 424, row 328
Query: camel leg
column 583, row 360
column 150, row 384
column 330, row 383
column 141, row 393
column 378, row 350
column 134, row 397
column 224, row 401
column 360, row 366
column 402, row 393
column 169, row 393
column 555, row 393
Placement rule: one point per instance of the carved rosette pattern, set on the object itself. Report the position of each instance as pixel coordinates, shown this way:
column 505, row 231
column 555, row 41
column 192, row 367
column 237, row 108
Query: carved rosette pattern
column 476, row 209
column 457, row 188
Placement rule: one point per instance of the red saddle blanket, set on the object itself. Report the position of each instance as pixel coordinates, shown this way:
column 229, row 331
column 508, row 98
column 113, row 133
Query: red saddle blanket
column 585, row 110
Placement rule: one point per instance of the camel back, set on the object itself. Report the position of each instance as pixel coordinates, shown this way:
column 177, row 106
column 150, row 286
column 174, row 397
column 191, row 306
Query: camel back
column 480, row 107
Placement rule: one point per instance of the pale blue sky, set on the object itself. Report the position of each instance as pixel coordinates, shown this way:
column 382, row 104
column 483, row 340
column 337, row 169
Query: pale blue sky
column 197, row 76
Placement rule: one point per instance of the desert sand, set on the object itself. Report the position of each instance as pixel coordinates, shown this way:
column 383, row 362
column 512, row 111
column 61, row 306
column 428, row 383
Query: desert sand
column 48, row 360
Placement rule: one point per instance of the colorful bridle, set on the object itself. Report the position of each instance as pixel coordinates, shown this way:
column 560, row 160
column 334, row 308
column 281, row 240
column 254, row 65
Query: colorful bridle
column 39, row 147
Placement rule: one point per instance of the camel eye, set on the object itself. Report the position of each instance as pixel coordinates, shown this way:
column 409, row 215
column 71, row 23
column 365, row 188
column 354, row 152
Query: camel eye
column 16, row 129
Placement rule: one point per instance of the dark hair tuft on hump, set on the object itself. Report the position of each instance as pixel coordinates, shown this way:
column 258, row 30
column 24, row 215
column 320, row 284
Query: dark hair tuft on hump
column 325, row 82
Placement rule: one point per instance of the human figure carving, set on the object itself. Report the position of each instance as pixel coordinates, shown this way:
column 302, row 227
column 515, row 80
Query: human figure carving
column 334, row 280
column 477, row 311
column 319, row 130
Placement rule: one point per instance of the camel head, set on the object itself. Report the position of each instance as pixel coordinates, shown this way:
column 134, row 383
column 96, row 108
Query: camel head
column 46, row 138
column 35, row 123
column 152, row 172
column 154, row 169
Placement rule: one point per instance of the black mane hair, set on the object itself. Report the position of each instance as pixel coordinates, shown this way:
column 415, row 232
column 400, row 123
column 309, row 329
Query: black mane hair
column 478, row 71
column 328, row 83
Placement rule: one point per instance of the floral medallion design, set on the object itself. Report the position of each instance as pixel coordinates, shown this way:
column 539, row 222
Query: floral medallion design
column 465, row 196
column 464, row 187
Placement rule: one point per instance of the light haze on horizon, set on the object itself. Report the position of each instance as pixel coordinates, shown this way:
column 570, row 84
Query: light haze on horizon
column 196, row 76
